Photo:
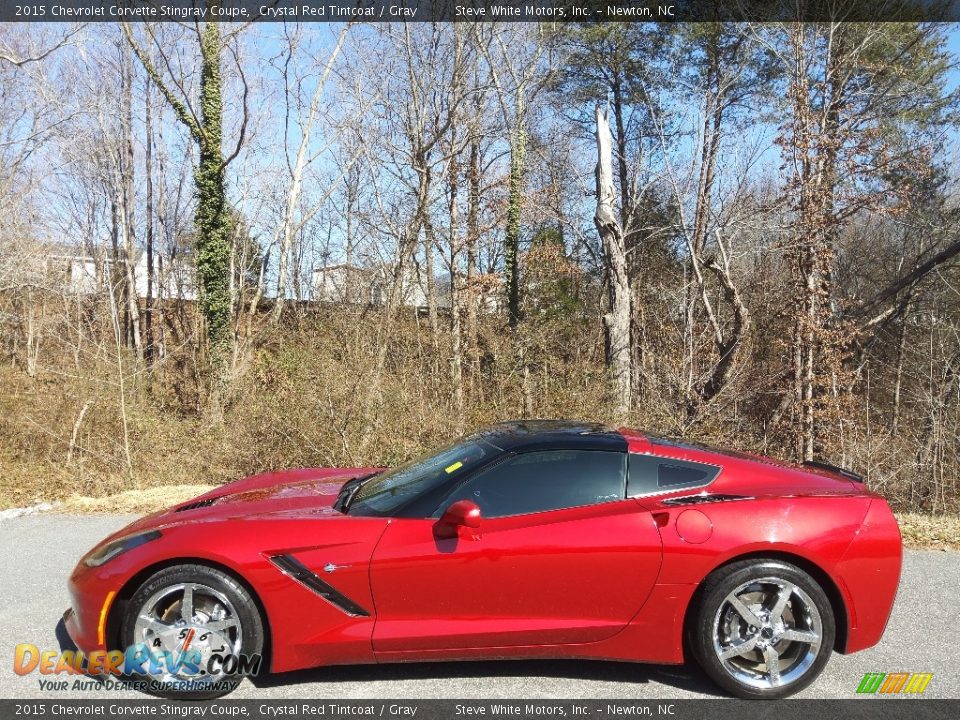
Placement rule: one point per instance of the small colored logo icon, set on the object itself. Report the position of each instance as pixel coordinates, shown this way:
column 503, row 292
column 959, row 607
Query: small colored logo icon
column 901, row 683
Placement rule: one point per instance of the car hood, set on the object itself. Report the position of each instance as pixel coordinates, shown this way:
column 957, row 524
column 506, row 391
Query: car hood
column 303, row 492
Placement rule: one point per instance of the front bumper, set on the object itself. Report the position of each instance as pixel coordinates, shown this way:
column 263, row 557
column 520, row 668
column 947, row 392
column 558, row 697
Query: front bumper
column 86, row 620
column 71, row 625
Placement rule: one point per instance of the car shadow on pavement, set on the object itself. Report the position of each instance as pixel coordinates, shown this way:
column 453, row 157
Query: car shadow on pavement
column 687, row 677
column 683, row 677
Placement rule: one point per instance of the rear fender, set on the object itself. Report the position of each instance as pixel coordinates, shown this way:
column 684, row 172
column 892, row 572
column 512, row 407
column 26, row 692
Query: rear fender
column 815, row 530
column 870, row 571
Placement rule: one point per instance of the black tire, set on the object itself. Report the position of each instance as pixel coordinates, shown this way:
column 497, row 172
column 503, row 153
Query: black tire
column 741, row 675
column 250, row 633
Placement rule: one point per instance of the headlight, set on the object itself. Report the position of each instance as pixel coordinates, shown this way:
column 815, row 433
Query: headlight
column 118, row 547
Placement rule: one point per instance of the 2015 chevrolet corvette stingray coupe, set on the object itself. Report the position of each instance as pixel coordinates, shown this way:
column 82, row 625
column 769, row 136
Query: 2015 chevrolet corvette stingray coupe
column 529, row 539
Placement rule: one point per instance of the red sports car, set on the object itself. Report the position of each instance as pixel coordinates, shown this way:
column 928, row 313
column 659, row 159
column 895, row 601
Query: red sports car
column 529, row 539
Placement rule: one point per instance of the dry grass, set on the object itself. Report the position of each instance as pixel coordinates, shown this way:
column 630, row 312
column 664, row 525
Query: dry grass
column 930, row 532
column 314, row 394
column 304, row 398
column 139, row 502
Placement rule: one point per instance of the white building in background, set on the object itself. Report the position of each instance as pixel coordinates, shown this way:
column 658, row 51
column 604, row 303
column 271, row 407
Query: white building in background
column 82, row 274
column 351, row 284
column 345, row 283
column 76, row 274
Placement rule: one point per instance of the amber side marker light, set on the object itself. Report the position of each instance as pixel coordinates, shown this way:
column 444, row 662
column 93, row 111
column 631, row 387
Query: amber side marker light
column 102, row 625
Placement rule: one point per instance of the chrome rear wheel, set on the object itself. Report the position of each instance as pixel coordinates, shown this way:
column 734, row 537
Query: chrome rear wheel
column 761, row 628
column 767, row 632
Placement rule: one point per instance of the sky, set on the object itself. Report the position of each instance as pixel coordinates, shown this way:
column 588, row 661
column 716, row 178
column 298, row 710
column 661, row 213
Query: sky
column 258, row 179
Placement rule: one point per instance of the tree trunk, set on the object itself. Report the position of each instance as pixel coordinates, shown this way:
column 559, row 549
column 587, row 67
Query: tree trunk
column 901, row 351
column 148, row 173
column 518, row 158
column 115, row 281
column 428, row 282
column 286, row 237
column 127, row 170
column 352, row 191
column 617, row 320
column 162, row 289
column 626, row 211
column 456, row 339
column 213, row 246
column 473, row 240
column 31, row 334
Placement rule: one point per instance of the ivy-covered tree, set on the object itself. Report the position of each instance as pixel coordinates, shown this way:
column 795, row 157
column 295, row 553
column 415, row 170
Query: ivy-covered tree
column 212, row 220
column 518, row 79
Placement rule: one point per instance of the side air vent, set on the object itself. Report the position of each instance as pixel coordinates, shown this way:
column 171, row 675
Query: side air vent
column 290, row 566
column 704, row 499
column 197, row 505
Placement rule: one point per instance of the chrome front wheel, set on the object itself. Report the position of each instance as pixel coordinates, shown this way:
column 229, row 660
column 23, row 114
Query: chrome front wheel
column 194, row 631
column 185, row 617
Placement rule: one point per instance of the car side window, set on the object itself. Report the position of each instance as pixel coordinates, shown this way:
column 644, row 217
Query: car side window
column 545, row 480
column 651, row 474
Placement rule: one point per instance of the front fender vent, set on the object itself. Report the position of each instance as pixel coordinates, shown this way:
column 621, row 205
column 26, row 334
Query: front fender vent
column 703, row 499
column 293, row 568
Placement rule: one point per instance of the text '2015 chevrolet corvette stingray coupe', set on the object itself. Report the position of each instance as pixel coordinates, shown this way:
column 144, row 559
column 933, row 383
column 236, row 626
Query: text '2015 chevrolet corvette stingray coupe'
column 529, row 539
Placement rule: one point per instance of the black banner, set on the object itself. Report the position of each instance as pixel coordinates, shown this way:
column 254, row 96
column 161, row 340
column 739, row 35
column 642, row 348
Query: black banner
column 874, row 708
column 246, row 11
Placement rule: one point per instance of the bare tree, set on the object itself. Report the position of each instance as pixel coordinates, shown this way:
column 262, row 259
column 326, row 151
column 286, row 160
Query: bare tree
column 617, row 321
column 306, row 154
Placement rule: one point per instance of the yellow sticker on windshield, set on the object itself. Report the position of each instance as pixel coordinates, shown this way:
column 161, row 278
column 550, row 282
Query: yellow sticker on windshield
column 456, row 466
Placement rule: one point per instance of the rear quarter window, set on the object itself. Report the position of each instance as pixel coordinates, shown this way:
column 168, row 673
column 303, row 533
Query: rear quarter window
column 648, row 474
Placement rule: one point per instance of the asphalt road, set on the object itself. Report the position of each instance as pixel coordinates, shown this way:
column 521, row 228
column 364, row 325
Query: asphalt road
column 39, row 552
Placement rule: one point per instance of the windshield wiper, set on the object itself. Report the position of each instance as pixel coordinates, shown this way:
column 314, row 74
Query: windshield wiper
column 349, row 491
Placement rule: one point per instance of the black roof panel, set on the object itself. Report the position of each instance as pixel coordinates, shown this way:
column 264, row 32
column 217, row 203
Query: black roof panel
column 552, row 434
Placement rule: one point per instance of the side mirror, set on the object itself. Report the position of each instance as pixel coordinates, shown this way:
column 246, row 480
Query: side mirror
column 462, row 513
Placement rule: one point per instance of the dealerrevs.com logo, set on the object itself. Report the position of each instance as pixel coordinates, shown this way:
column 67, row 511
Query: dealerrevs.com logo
column 900, row 683
column 202, row 662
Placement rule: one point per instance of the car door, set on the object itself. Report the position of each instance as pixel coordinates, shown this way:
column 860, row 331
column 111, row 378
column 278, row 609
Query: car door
column 561, row 556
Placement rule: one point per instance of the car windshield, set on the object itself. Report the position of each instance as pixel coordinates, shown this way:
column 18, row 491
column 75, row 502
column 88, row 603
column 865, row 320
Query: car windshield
column 386, row 493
